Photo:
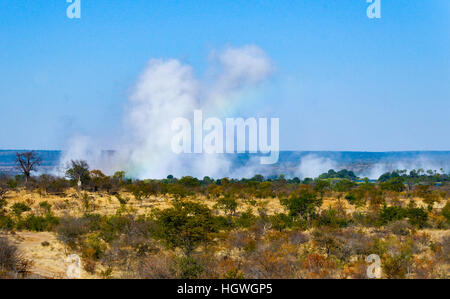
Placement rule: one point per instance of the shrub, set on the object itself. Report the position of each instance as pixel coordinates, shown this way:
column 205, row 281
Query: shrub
column 19, row 208
column 297, row 238
column 159, row 266
column 327, row 240
column 46, row 207
column 400, row 227
column 388, row 214
column 394, row 184
column 187, row 267
column 228, row 204
column 396, row 266
column 246, row 219
column 8, row 255
column 318, row 266
column 344, row 185
column 332, row 218
column 280, row 221
column 71, row 230
column 417, row 217
column 6, row 222
column 89, row 266
column 39, row 223
column 186, row 225
column 93, row 247
column 446, row 211
column 302, row 204
column 355, row 199
column 11, row 259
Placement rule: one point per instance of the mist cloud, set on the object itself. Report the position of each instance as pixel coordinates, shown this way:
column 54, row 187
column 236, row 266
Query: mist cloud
column 168, row 89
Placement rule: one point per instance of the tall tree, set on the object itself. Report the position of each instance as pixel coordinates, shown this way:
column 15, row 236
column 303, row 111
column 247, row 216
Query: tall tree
column 79, row 172
column 27, row 162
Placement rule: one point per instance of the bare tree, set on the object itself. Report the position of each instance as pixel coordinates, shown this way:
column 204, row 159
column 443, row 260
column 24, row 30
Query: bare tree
column 27, row 162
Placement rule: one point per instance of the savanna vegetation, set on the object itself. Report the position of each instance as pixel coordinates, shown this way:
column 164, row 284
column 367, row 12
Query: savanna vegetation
column 225, row 228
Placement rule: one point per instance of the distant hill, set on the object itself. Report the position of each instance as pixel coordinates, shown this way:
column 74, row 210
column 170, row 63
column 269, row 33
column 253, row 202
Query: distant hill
column 362, row 163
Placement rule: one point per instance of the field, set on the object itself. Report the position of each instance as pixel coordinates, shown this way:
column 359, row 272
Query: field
column 249, row 228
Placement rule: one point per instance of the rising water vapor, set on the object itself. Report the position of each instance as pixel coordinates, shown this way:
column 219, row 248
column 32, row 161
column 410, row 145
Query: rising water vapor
column 168, row 89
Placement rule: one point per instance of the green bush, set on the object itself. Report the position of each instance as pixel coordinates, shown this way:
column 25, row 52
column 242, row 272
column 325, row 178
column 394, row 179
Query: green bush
column 187, row 267
column 223, row 222
column 446, row 211
column 344, row 185
column 280, row 221
column 228, row 204
column 19, row 208
column 246, row 219
column 186, row 225
column 394, row 184
column 388, row 214
column 6, row 222
column 332, row 218
column 355, row 199
column 3, row 204
column 417, row 217
column 302, row 204
column 39, row 223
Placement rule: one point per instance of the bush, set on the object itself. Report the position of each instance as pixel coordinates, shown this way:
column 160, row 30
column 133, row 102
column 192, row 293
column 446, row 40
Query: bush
column 344, row 185
column 332, row 218
column 246, row 219
column 446, row 211
column 186, row 225
column 355, row 199
column 394, row 184
column 302, row 204
column 388, row 214
column 400, row 227
column 417, row 217
column 297, row 238
column 19, row 208
column 39, row 223
column 187, row 267
column 71, row 230
column 89, row 266
column 11, row 259
column 6, row 222
column 8, row 255
column 280, row 221
column 396, row 266
column 228, row 204
column 159, row 266
column 332, row 244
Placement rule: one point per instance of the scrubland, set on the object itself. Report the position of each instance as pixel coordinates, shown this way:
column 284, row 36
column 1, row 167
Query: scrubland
column 250, row 228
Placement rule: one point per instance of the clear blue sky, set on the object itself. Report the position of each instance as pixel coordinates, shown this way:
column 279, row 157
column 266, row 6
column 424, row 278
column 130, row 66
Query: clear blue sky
column 343, row 81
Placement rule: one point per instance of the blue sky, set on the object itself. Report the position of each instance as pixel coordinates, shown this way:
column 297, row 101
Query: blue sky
column 343, row 81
